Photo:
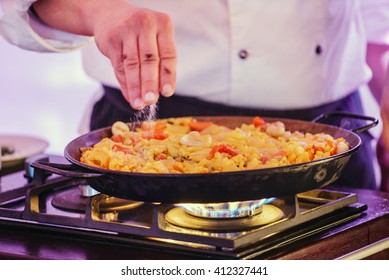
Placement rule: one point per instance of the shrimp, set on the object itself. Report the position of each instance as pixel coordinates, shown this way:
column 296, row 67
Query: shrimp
column 195, row 139
column 341, row 147
column 275, row 129
column 120, row 128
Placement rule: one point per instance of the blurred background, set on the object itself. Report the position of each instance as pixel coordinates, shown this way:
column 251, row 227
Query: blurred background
column 43, row 94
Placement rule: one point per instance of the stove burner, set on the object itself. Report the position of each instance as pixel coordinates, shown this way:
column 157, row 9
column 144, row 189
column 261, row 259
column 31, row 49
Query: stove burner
column 238, row 209
column 70, row 200
column 180, row 217
column 77, row 200
column 26, row 203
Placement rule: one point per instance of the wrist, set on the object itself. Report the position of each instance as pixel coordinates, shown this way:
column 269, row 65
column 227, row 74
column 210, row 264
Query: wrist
column 93, row 12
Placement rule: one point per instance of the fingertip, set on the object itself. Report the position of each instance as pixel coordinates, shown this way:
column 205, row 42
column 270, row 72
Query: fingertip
column 167, row 90
column 150, row 98
column 138, row 104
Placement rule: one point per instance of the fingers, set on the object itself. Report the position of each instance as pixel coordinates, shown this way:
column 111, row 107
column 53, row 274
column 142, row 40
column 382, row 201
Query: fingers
column 149, row 67
column 126, row 66
column 131, row 71
column 149, row 62
column 140, row 44
column 168, row 57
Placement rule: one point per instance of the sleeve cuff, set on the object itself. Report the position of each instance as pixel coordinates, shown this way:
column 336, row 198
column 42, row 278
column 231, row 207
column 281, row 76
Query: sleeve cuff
column 20, row 26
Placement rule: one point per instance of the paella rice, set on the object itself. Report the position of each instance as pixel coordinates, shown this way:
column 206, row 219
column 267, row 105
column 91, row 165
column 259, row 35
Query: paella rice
column 187, row 145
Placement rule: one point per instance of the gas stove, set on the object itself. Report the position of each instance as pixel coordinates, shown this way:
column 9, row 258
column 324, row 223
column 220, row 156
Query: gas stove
column 33, row 199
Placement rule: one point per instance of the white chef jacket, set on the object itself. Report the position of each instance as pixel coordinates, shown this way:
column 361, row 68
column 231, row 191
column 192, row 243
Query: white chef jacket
column 253, row 53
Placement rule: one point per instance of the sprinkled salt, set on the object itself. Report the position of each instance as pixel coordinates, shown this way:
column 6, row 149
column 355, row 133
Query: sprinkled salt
column 148, row 113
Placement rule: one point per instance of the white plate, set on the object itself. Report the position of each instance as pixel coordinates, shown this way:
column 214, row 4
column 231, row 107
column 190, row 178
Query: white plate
column 23, row 146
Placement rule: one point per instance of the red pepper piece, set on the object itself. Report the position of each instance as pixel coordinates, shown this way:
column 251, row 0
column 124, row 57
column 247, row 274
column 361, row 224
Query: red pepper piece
column 119, row 148
column 155, row 131
column 258, row 122
column 199, row 126
column 223, row 148
column 117, row 138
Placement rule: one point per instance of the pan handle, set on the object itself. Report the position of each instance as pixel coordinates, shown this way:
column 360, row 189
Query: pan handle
column 374, row 121
column 67, row 170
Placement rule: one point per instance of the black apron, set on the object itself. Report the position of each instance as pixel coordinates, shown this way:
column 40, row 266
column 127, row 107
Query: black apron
column 359, row 172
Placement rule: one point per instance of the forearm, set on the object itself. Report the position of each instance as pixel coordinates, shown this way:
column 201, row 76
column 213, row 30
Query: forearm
column 75, row 16
column 139, row 42
column 20, row 27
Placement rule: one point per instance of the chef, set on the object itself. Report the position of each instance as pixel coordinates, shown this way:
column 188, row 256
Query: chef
column 293, row 59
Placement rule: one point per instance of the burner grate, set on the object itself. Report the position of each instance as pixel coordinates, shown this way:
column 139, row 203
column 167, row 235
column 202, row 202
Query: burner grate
column 181, row 218
column 30, row 205
column 148, row 220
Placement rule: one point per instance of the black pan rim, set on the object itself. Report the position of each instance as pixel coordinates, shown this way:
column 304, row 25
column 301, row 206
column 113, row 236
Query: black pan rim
column 280, row 169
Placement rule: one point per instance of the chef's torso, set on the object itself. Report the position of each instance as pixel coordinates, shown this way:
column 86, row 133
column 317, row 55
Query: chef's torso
column 258, row 53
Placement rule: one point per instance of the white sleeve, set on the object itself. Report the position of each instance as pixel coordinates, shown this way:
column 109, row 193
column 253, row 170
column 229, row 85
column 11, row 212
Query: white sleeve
column 375, row 15
column 20, row 27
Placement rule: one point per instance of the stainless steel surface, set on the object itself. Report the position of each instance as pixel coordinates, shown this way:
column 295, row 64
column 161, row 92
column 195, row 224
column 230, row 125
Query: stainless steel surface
column 368, row 250
column 26, row 202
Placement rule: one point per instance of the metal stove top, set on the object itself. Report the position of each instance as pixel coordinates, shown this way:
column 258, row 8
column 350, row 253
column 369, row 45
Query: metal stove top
column 37, row 202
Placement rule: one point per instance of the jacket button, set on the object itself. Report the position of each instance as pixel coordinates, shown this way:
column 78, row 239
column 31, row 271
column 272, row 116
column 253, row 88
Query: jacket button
column 243, row 54
column 318, row 50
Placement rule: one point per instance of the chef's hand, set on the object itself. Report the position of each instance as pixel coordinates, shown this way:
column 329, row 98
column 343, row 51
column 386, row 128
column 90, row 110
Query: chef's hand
column 140, row 45
column 139, row 42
